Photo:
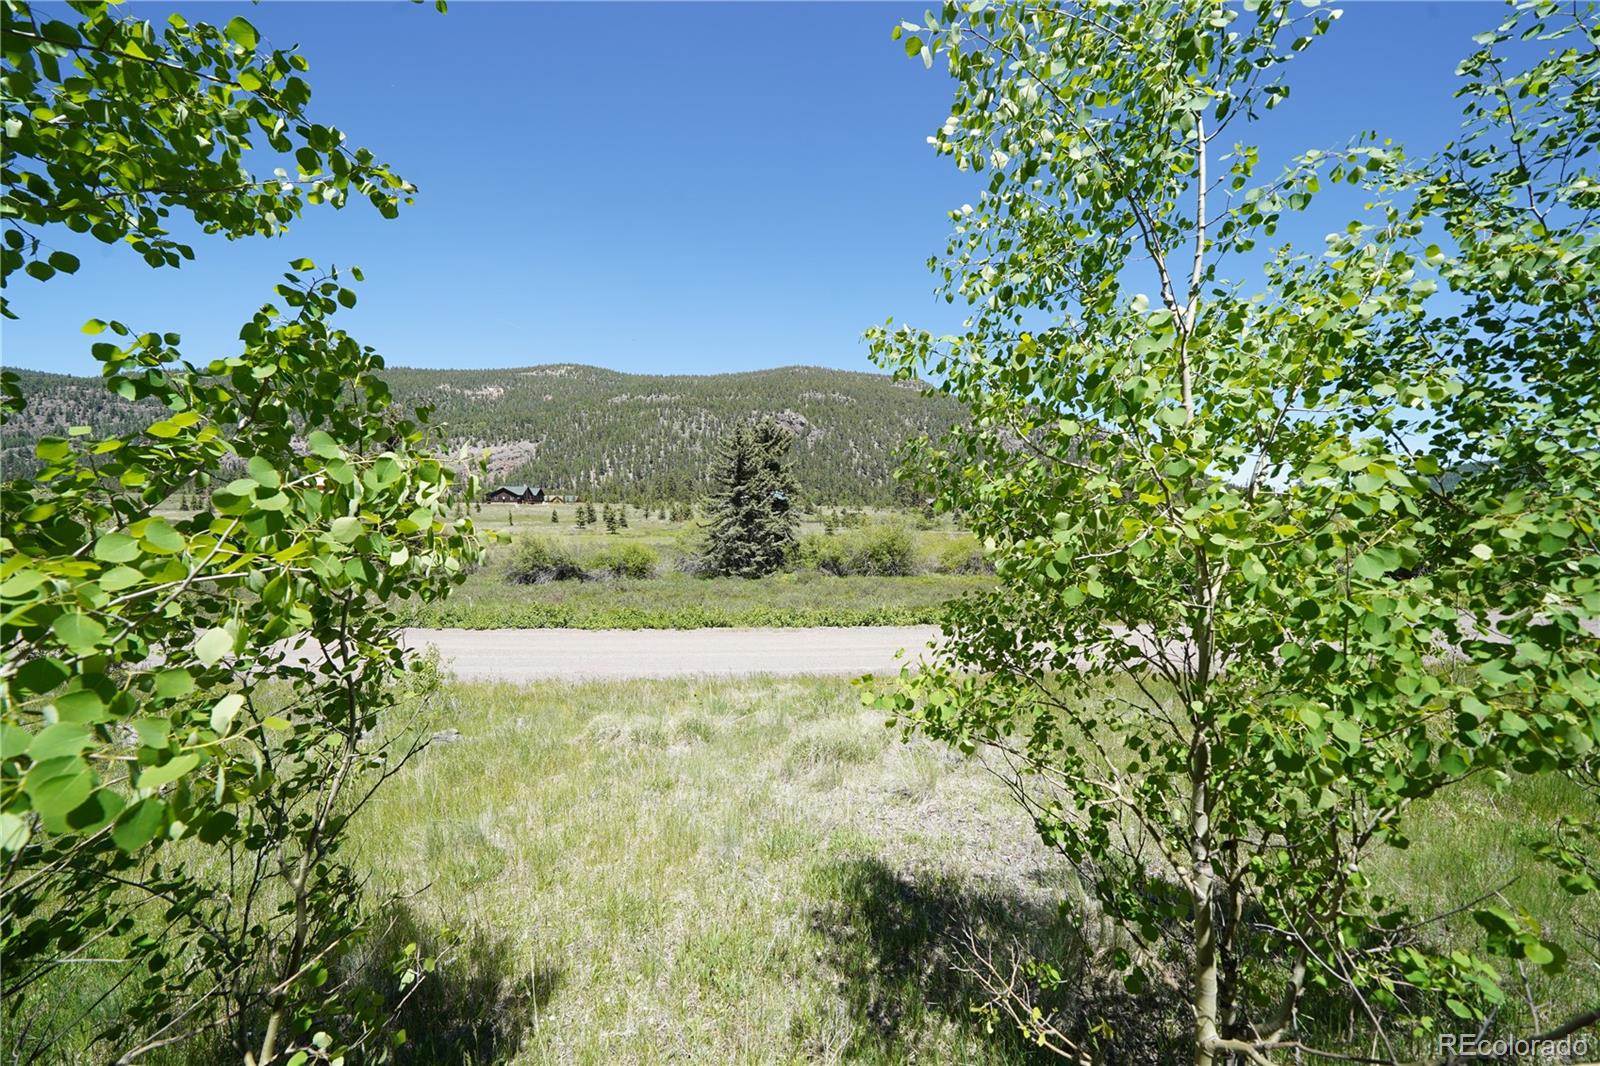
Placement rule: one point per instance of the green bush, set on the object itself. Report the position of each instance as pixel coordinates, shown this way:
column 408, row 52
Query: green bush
column 627, row 559
column 884, row 551
column 535, row 560
column 877, row 551
column 964, row 555
column 825, row 552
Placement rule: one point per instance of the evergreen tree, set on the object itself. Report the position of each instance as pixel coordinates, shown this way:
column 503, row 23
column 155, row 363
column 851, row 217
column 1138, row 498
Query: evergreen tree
column 610, row 519
column 751, row 527
column 622, row 517
column 555, row 515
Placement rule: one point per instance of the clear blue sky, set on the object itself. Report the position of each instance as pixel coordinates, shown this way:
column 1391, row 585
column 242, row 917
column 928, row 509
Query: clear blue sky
column 686, row 188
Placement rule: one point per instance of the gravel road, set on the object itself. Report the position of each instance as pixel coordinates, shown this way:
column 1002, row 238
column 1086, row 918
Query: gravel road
column 521, row 655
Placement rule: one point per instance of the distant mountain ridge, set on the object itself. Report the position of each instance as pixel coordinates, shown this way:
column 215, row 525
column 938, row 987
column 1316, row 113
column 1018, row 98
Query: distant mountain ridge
column 601, row 433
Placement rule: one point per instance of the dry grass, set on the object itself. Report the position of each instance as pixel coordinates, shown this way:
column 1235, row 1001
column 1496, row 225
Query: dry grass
column 710, row 872
column 758, row 871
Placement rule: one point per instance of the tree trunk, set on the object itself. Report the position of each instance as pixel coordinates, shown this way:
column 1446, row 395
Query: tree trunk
column 1202, row 888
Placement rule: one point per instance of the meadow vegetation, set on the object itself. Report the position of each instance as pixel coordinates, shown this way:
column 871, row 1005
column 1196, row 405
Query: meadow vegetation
column 683, row 601
column 649, row 576
column 757, row 870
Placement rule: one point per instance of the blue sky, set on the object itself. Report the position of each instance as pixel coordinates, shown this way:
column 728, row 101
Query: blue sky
column 684, row 187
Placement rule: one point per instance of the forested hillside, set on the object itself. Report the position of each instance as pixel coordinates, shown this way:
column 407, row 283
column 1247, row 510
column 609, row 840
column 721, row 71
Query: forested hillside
column 601, row 433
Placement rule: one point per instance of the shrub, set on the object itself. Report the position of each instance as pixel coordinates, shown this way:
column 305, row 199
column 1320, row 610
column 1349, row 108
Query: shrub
column 536, row 560
column 884, row 551
column 878, row 551
column 964, row 555
column 625, row 560
column 825, row 552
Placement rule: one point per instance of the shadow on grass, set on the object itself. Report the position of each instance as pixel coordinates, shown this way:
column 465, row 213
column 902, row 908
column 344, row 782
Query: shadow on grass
column 476, row 1003
column 907, row 947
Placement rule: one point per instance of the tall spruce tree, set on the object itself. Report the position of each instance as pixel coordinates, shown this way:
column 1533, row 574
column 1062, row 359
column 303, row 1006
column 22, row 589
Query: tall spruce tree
column 751, row 527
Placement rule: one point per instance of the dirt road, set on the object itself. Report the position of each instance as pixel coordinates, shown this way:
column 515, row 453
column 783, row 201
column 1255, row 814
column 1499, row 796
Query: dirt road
column 521, row 655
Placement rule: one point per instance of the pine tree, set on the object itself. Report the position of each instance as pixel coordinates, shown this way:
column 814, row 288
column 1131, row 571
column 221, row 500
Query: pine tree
column 622, row 517
column 555, row 516
column 610, row 519
column 751, row 528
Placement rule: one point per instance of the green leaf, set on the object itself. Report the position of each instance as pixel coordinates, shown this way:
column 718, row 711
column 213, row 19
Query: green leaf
column 63, row 738
column 51, row 449
column 1555, row 957
column 21, row 582
column 168, row 772
column 1349, row 731
column 81, row 705
column 212, row 645
column 78, row 632
column 139, row 824
column 153, row 732
column 241, row 33
column 65, row 262
column 56, row 787
column 14, row 832
column 262, row 472
column 116, row 548
column 14, row 740
column 223, row 714
column 1497, row 920
column 173, row 682
column 322, row 444
column 95, row 812
column 346, row 529
column 1371, row 566
column 38, row 676
column 119, row 578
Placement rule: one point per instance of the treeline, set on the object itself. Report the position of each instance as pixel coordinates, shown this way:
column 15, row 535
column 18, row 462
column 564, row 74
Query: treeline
column 603, row 434
column 56, row 403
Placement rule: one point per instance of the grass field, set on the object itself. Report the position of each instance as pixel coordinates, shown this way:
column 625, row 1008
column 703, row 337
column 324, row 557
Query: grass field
column 679, row 601
column 757, row 871
column 675, row 600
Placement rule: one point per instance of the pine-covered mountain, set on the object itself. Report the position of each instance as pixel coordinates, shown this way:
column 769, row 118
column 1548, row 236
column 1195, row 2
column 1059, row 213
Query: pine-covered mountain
column 600, row 433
